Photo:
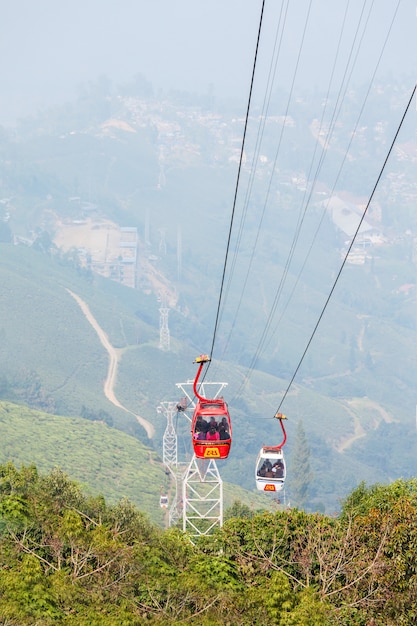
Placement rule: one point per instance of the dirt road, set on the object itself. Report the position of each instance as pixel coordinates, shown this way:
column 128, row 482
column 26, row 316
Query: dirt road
column 357, row 407
column 114, row 357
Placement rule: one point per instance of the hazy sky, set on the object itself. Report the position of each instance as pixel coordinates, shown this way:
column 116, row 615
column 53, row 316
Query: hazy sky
column 48, row 48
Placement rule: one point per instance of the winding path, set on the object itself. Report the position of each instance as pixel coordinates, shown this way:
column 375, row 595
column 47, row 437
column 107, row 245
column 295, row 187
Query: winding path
column 114, row 357
column 363, row 404
column 359, row 432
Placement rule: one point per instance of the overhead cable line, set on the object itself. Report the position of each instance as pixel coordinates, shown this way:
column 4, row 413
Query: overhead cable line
column 352, row 61
column 254, row 359
column 349, row 248
column 238, row 178
column 274, row 167
column 303, row 212
column 260, row 133
column 253, row 169
column 353, row 133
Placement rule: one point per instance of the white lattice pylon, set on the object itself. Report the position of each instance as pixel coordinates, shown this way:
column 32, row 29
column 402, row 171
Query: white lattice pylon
column 202, row 498
column 187, row 389
column 175, row 510
column 169, row 442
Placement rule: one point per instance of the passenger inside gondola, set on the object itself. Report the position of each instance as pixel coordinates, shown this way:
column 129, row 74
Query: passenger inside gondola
column 266, row 468
column 223, row 432
column 201, row 425
column 199, row 435
column 224, row 423
column 212, row 434
column 200, row 429
column 278, row 469
column 212, row 423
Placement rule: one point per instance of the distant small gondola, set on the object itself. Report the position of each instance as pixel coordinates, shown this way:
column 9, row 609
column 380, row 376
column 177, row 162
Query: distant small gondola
column 211, row 428
column 270, row 472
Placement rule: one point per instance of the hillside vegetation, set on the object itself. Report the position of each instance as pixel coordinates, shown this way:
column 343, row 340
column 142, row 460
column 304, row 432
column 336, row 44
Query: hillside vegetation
column 52, row 360
column 72, row 559
column 102, row 460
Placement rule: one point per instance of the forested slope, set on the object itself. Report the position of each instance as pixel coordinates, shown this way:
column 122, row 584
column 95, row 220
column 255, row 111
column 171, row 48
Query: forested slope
column 70, row 559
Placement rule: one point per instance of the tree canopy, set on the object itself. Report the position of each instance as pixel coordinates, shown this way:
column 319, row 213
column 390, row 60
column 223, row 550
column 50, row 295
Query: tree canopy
column 71, row 559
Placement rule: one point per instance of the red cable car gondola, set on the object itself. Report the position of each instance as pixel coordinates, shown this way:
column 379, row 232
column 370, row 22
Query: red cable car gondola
column 211, row 428
column 270, row 472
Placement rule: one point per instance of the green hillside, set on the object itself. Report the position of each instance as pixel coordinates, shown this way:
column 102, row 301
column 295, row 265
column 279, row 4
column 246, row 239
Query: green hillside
column 46, row 338
column 52, row 359
column 100, row 459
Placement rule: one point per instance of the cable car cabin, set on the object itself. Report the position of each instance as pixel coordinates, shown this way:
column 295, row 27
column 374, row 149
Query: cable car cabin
column 211, row 429
column 270, row 469
column 163, row 502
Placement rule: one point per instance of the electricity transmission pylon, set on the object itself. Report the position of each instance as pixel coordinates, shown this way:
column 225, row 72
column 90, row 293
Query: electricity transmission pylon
column 170, row 448
column 164, row 335
column 170, row 459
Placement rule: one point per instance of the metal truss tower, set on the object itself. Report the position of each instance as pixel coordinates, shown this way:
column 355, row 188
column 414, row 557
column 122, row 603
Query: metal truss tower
column 164, row 336
column 198, row 496
column 170, row 459
column 169, row 442
column 202, row 497
column 187, row 389
column 162, row 242
column 175, row 510
column 202, row 485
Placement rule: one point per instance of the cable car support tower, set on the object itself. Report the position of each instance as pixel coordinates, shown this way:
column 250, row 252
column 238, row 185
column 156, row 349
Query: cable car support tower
column 202, row 485
column 198, row 497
